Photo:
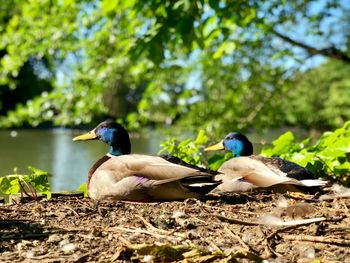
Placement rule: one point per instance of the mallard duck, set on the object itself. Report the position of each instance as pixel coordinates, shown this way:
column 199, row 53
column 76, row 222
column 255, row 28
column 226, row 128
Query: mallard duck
column 246, row 171
column 120, row 175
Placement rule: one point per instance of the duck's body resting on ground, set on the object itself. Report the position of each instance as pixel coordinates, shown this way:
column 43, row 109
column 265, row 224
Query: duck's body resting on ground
column 120, row 175
column 246, row 171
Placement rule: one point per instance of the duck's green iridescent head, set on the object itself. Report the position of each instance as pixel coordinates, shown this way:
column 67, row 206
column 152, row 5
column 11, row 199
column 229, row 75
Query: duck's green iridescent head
column 112, row 133
column 235, row 142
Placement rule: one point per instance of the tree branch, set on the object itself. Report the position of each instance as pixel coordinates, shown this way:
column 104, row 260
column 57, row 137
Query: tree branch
column 330, row 52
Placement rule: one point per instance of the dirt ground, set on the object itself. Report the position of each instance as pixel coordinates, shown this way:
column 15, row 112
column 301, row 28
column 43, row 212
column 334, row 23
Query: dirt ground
column 236, row 228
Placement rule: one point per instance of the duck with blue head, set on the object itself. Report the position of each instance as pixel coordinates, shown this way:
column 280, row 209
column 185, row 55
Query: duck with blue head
column 120, row 175
column 246, row 171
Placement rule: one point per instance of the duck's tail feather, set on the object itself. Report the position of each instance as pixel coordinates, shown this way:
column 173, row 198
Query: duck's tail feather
column 262, row 179
column 313, row 182
column 266, row 179
column 201, row 184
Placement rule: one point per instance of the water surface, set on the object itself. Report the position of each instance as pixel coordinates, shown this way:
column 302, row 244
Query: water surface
column 55, row 152
column 68, row 161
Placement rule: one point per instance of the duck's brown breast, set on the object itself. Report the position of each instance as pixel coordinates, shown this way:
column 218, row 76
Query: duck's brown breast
column 97, row 164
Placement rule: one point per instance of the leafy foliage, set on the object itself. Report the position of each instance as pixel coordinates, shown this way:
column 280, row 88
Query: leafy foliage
column 328, row 157
column 199, row 63
column 28, row 85
column 36, row 181
column 191, row 151
column 188, row 150
column 217, row 160
column 330, row 100
column 43, row 108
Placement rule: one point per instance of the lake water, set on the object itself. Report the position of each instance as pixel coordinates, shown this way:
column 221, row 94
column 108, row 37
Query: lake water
column 55, row 152
column 68, row 161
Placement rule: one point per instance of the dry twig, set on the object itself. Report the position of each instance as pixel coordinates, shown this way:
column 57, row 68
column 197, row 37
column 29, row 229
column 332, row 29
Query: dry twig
column 151, row 227
column 326, row 240
column 244, row 245
column 71, row 209
column 236, row 221
column 162, row 231
column 141, row 231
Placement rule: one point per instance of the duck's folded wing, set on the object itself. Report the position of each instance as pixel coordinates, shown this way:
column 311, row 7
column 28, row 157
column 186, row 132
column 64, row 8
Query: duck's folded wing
column 255, row 172
column 147, row 171
column 292, row 170
column 161, row 171
column 266, row 180
column 153, row 168
column 261, row 175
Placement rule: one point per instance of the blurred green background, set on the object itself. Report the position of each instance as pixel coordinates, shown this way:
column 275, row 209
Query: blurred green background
column 214, row 64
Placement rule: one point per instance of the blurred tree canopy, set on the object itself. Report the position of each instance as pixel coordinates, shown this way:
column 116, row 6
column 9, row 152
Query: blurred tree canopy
column 202, row 63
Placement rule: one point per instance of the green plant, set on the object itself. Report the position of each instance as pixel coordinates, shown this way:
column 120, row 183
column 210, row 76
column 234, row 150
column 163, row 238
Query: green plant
column 216, row 160
column 191, row 151
column 200, row 63
column 28, row 184
column 328, row 157
column 187, row 150
column 83, row 188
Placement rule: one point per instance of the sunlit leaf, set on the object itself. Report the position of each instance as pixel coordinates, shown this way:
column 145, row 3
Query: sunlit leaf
column 109, row 5
column 38, row 179
column 83, row 188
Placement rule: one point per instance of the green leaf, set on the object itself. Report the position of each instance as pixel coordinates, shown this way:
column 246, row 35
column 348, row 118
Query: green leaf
column 9, row 184
column 187, row 150
column 108, row 6
column 38, row 179
column 83, row 188
column 201, row 138
column 327, row 157
column 225, row 48
column 281, row 145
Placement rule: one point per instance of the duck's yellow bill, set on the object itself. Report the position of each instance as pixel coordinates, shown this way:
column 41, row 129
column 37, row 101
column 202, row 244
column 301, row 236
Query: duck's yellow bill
column 86, row 136
column 217, row 147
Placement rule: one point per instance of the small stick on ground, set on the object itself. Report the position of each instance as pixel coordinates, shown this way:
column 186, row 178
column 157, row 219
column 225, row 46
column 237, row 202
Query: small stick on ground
column 239, row 239
column 141, row 231
column 291, row 223
column 333, row 197
column 124, row 240
column 236, row 221
column 150, row 226
column 274, row 233
column 326, row 240
column 204, row 223
column 138, row 203
column 71, row 209
column 229, row 210
column 14, row 210
column 215, row 246
column 153, row 228
column 269, row 250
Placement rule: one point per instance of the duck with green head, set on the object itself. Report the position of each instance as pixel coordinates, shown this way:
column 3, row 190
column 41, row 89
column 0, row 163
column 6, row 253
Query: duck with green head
column 120, row 175
column 246, row 171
